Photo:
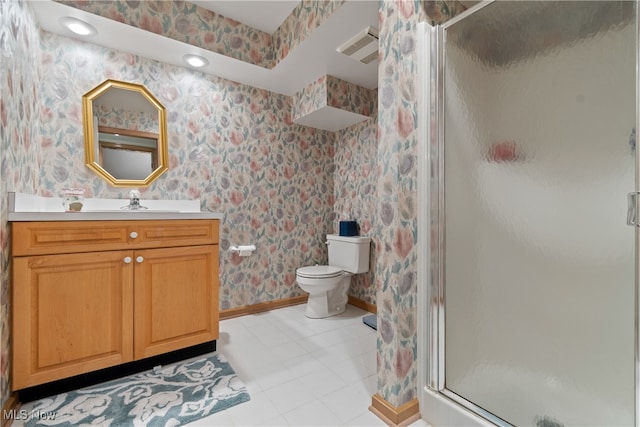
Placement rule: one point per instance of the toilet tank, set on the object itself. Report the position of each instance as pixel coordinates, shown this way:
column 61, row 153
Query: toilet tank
column 349, row 253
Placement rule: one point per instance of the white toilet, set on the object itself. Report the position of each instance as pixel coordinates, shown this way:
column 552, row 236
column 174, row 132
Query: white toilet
column 328, row 285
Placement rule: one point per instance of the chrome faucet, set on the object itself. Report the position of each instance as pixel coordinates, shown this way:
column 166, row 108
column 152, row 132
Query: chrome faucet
column 134, row 201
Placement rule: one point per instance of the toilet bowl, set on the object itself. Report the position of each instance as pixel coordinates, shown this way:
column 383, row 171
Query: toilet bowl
column 327, row 288
column 328, row 285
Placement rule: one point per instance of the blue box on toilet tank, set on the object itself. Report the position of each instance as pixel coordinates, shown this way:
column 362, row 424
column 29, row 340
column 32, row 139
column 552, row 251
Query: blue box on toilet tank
column 348, row 228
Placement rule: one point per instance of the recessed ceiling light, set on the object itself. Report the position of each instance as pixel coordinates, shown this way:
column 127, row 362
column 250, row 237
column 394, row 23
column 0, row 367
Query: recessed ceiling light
column 196, row 60
column 77, row 26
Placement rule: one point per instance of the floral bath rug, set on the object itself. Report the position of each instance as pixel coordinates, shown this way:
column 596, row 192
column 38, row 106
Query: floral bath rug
column 168, row 396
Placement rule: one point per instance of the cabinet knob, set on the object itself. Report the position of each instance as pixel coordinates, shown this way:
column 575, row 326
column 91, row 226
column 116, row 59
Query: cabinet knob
column 133, row 235
column 127, row 260
column 139, row 259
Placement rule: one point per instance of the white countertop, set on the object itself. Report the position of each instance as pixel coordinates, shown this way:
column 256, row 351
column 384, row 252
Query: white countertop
column 28, row 207
column 110, row 216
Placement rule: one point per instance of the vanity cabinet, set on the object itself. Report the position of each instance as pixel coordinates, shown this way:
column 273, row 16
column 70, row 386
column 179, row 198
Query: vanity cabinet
column 89, row 295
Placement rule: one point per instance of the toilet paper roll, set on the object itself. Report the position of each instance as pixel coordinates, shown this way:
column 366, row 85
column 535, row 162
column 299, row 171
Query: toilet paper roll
column 245, row 250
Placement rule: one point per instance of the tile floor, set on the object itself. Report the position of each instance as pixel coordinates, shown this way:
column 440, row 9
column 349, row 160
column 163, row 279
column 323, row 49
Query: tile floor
column 300, row 371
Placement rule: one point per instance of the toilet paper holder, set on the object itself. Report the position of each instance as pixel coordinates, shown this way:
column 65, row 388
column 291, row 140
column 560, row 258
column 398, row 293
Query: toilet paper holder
column 243, row 250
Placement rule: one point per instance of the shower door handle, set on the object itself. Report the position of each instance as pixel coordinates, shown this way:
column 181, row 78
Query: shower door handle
column 632, row 209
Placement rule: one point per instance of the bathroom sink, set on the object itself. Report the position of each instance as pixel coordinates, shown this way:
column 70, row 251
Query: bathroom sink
column 132, row 211
column 23, row 207
column 148, row 206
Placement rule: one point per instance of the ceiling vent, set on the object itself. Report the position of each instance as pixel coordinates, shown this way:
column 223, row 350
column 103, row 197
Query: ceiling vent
column 363, row 46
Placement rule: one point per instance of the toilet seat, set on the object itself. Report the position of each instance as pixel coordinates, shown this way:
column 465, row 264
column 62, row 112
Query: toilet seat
column 319, row 272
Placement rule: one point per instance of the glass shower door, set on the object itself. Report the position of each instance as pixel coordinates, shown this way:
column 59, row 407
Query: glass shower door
column 538, row 270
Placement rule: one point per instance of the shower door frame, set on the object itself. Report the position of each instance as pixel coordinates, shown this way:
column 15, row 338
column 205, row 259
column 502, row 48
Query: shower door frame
column 442, row 406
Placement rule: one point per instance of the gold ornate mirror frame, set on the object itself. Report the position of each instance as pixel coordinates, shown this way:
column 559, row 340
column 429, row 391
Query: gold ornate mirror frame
column 94, row 131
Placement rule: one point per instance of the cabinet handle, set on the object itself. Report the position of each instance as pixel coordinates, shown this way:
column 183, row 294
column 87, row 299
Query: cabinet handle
column 133, row 235
column 127, row 260
column 139, row 259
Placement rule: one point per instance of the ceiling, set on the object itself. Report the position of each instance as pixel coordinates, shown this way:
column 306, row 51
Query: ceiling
column 312, row 58
column 265, row 15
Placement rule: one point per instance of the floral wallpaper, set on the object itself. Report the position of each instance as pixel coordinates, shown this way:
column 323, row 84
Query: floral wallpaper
column 354, row 180
column 332, row 91
column 20, row 153
column 305, row 18
column 350, row 97
column 440, row 11
column 190, row 24
column 311, row 98
column 395, row 229
column 124, row 118
column 197, row 26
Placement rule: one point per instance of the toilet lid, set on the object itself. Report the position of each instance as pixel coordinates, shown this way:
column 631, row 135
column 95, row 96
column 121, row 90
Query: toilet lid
column 319, row 272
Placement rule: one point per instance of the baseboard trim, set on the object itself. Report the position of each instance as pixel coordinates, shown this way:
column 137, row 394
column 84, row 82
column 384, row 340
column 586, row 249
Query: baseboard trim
column 400, row 416
column 357, row 302
column 261, row 307
column 10, row 406
column 286, row 302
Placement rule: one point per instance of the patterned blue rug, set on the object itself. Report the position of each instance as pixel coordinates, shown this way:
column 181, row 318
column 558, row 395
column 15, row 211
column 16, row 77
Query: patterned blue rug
column 170, row 396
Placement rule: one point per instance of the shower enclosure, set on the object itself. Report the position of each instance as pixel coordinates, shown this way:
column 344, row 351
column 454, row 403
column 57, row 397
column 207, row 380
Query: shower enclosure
column 528, row 266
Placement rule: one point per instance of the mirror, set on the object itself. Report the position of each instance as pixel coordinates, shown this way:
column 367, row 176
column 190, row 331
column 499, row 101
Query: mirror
column 125, row 134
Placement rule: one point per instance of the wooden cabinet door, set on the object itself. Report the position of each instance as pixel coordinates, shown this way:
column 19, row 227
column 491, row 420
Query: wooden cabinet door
column 175, row 297
column 72, row 313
